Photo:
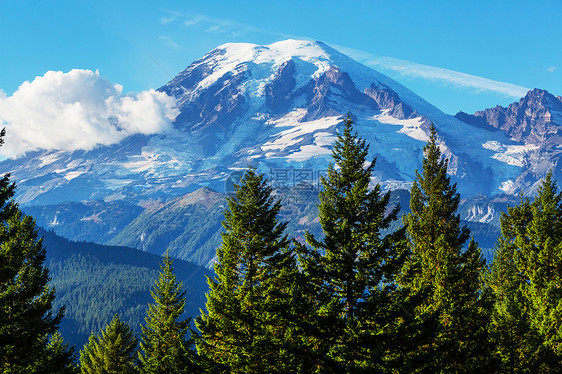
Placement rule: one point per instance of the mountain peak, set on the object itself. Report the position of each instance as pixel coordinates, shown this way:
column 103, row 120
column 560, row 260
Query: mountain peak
column 541, row 98
column 533, row 119
column 280, row 106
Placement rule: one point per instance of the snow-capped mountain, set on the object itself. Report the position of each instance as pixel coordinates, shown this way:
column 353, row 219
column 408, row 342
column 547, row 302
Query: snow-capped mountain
column 536, row 122
column 279, row 107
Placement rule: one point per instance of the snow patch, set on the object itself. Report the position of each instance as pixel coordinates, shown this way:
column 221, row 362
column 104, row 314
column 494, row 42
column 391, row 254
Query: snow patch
column 49, row 159
column 508, row 187
column 515, row 155
column 410, row 127
column 297, row 130
column 73, row 174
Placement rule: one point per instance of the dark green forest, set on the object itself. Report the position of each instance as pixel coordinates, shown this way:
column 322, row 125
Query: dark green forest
column 374, row 291
column 94, row 282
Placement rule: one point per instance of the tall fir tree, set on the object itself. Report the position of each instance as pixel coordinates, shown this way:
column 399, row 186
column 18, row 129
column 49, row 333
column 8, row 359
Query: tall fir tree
column 352, row 268
column 525, row 278
column 439, row 263
column 59, row 357
column 247, row 325
column 27, row 319
column 517, row 347
column 540, row 261
column 112, row 352
column 165, row 346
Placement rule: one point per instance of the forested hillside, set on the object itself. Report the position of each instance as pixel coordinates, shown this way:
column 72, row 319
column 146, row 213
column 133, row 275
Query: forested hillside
column 94, row 282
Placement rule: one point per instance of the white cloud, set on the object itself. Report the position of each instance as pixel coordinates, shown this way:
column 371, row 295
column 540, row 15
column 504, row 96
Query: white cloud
column 166, row 20
column 169, row 42
column 436, row 74
column 219, row 25
column 552, row 69
column 191, row 21
column 79, row 110
column 215, row 29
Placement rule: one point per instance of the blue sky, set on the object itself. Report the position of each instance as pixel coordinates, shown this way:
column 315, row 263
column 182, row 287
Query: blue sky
column 459, row 55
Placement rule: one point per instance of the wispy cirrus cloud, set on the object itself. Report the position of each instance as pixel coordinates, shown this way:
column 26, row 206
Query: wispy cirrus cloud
column 435, row 74
column 191, row 22
column 215, row 29
column 218, row 25
column 166, row 20
column 169, row 42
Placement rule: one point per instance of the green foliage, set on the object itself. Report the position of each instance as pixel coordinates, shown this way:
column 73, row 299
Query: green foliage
column 26, row 314
column 164, row 347
column 525, row 279
column 362, row 295
column 96, row 282
column 540, row 260
column 58, row 358
column 112, row 352
column 242, row 330
column 449, row 276
column 353, row 267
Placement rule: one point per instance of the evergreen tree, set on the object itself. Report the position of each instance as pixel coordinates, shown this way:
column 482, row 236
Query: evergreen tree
column 164, row 346
column 437, row 259
column 352, row 268
column 540, row 261
column 111, row 353
column 26, row 316
column 59, row 358
column 516, row 345
column 525, row 279
column 243, row 329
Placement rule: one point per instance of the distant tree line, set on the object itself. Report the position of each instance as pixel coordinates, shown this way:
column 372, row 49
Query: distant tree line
column 360, row 299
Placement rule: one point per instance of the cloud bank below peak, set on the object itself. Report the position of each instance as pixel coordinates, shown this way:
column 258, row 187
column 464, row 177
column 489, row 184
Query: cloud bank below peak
column 79, row 110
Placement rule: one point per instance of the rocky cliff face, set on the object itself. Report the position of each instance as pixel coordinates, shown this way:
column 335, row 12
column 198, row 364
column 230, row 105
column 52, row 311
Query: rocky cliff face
column 535, row 119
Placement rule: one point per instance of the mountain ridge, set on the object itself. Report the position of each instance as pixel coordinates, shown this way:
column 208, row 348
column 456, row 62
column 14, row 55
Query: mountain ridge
column 534, row 119
column 279, row 107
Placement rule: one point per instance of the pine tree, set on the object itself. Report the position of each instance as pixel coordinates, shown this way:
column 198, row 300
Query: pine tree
column 352, row 267
column 26, row 316
column 111, row 353
column 437, row 260
column 525, row 280
column 164, row 346
column 516, row 344
column 540, row 260
column 59, row 358
column 242, row 330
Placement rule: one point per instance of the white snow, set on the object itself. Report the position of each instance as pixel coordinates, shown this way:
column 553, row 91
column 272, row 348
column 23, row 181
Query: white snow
column 323, row 139
column 49, row 159
column 508, row 187
column 510, row 154
column 480, row 214
column 410, row 127
column 55, row 221
column 73, row 174
column 270, row 56
column 492, row 145
column 297, row 130
column 115, row 183
column 307, row 152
